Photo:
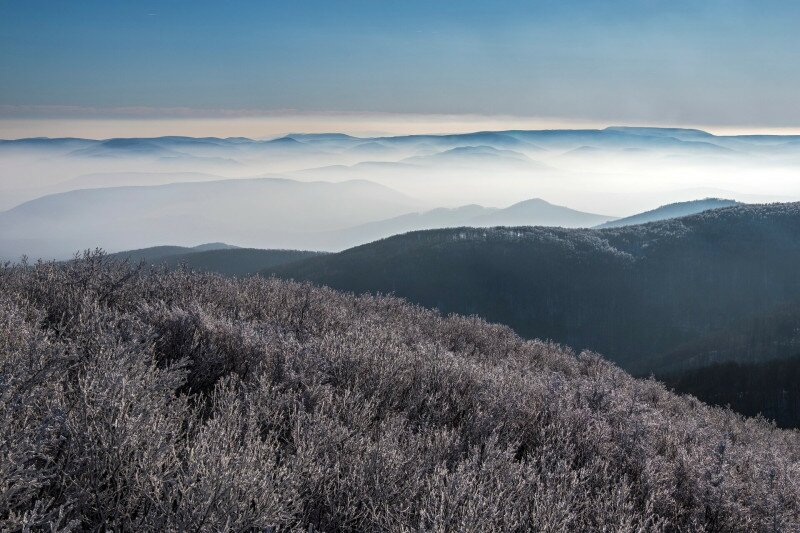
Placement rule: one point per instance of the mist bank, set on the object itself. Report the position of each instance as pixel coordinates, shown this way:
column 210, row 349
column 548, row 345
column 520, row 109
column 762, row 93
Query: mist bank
column 264, row 213
column 613, row 171
column 66, row 194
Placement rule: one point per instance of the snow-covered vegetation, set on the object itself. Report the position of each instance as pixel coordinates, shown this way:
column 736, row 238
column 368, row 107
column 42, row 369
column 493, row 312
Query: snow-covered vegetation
column 173, row 401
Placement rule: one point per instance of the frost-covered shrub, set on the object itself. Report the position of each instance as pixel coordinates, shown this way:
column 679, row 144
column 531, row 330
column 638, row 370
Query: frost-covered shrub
column 173, row 401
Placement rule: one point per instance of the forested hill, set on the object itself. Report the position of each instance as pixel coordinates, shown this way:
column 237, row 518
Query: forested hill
column 178, row 401
column 771, row 388
column 637, row 294
column 228, row 261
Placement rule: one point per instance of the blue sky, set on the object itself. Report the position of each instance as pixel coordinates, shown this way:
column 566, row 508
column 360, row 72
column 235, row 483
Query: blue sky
column 723, row 63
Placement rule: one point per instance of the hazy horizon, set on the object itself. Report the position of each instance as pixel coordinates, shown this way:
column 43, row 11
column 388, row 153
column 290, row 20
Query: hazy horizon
column 359, row 125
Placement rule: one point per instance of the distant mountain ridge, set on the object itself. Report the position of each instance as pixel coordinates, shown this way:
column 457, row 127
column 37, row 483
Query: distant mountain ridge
column 524, row 141
column 533, row 212
column 258, row 212
column 675, row 210
column 499, row 139
column 440, row 169
column 471, row 155
column 538, row 212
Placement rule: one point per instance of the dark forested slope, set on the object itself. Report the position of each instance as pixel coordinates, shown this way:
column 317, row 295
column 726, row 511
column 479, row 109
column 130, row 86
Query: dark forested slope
column 222, row 259
column 156, row 253
column 637, row 293
column 770, row 388
column 172, row 401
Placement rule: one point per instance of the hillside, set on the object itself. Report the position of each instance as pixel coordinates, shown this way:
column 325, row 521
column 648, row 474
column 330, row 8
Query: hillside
column 770, row 389
column 635, row 294
column 154, row 253
column 217, row 257
column 675, row 210
column 188, row 402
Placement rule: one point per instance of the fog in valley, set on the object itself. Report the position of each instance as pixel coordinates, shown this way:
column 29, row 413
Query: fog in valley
column 333, row 191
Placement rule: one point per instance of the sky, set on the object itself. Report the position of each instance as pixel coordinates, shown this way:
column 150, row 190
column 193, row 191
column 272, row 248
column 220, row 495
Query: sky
column 111, row 67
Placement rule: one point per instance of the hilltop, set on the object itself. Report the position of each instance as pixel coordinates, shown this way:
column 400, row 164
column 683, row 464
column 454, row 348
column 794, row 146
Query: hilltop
column 214, row 257
column 178, row 401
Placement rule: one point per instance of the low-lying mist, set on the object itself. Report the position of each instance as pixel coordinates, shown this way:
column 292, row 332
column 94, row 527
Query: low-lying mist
column 614, row 172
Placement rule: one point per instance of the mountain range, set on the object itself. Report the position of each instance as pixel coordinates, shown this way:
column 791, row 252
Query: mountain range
column 264, row 217
column 256, row 212
column 608, row 170
column 264, row 212
column 705, row 341
column 653, row 297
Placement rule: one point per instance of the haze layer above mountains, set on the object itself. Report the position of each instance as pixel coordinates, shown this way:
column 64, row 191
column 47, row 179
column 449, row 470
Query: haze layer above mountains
column 333, row 191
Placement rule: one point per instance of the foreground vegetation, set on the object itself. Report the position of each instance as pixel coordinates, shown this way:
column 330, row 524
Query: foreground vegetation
column 174, row 401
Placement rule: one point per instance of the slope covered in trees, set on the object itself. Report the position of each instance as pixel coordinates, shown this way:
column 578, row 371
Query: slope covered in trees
column 171, row 401
column 770, row 389
column 222, row 259
column 647, row 296
column 155, row 253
